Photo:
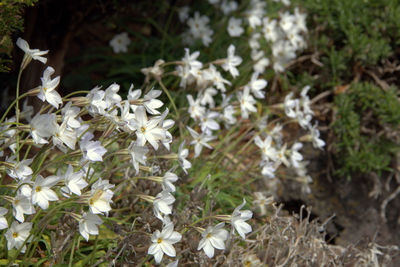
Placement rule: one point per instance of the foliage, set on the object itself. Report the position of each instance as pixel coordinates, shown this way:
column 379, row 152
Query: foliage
column 11, row 21
column 348, row 32
column 366, row 115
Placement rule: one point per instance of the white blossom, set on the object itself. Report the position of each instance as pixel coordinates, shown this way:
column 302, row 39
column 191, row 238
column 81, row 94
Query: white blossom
column 22, row 204
column 168, row 180
column 92, row 150
column 199, row 141
column 239, row 219
column 231, row 62
column 182, row 155
column 17, row 234
column 101, row 197
column 43, row 126
column 138, row 155
column 162, row 204
column 89, row 225
column 247, row 102
column 163, row 241
column 213, row 237
column 47, row 89
column 3, row 220
column 42, row 192
column 30, row 54
column 120, row 42
column 234, row 27
column 74, row 182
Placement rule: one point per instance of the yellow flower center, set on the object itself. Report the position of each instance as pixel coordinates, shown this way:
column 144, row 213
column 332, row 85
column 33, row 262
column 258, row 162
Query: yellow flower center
column 143, row 129
column 159, row 240
column 38, row 189
column 44, row 89
column 95, row 197
column 208, row 235
column 15, row 235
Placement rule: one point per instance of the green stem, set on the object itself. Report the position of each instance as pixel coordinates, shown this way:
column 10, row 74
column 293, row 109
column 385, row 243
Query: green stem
column 17, row 111
column 94, row 250
column 169, row 97
column 71, row 256
column 196, row 222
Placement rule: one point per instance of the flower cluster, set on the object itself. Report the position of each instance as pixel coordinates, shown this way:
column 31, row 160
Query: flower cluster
column 284, row 35
column 81, row 155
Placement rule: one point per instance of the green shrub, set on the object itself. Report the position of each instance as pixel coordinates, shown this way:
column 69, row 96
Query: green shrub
column 366, row 115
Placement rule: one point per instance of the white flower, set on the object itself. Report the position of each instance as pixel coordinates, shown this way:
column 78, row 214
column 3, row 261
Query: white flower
column 163, row 241
column 3, row 221
column 287, row 21
column 300, row 20
column 151, row 103
column 268, row 168
column 27, row 111
column 317, row 142
column 111, row 96
column 208, row 123
column 256, row 12
column 147, row 130
column 22, row 204
column 199, row 141
column 138, row 155
column 89, row 225
column 228, row 6
column 97, row 105
column 182, row 155
column 30, row 53
column 239, row 219
column 227, row 116
column 213, row 237
column 289, row 105
column 92, row 150
column 261, row 62
column 47, row 89
column 304, row 119
column 155, row 71
column 213, row 75
column 120, row 42
column 282, row 156
column 74, row 182
column 207, row 97
column 295, row 156
column 261, row 200
column 232, row 61
column 42, row 127
column 268, row 152
column 256, row 85
column 199, row 28
column 305, row 101
column 70, row 115
column 20, row 170
column 168, row 180
column 183, row 13
column 234, row 27
column 270, row 29
column 166, row 125
column 162, row 204
column 247, row 102
column 101, row 195
column 195, row 110
column 17, row 234
column 41, row 191
column 190, row 60
column 64, row 135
